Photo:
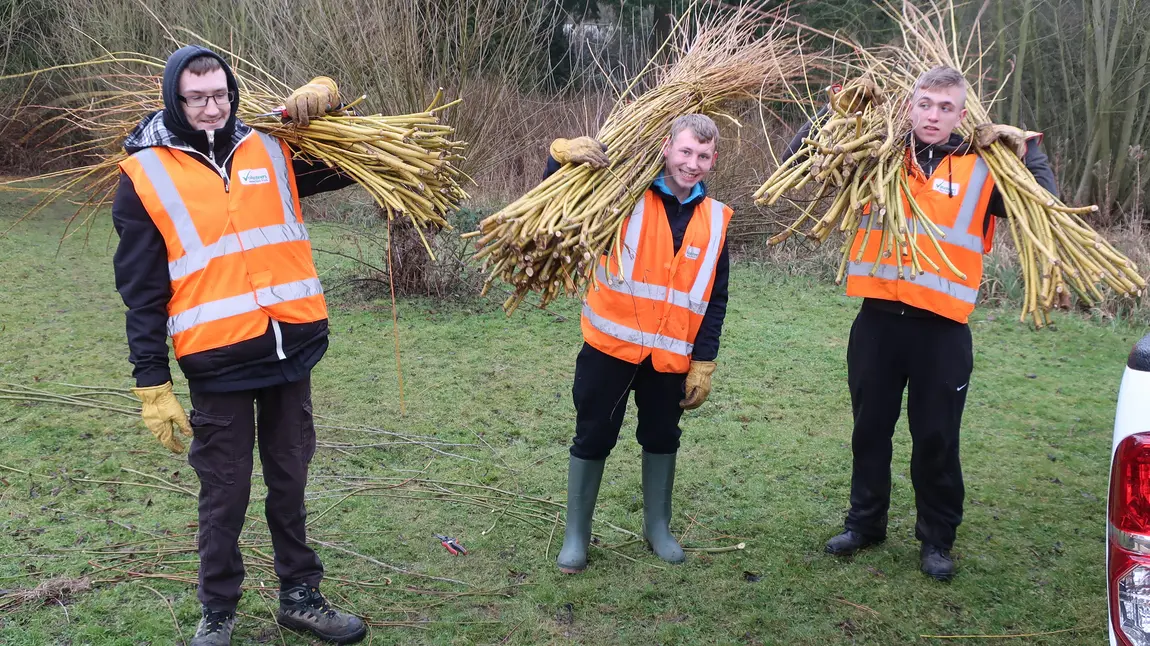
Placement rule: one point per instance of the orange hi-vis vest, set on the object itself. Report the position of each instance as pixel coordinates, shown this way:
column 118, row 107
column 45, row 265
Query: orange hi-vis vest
column 955, row 197
column 237, row 257
column 653, row 303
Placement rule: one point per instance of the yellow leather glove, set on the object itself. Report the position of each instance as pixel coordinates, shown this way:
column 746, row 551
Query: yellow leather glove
column 163, row 414
column 312, row 100
column 856, row 95
column 698, row 384
column 1013, row 138
column 580, row 150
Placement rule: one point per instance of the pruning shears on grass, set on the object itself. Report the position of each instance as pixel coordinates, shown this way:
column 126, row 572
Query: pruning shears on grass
column 452, row 545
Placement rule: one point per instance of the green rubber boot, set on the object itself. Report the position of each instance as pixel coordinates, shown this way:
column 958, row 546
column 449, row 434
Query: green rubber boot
column 583, row 478
column 658, row 482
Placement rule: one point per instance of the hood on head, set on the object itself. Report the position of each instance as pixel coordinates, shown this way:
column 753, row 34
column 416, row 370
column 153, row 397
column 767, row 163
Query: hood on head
column 174, row 118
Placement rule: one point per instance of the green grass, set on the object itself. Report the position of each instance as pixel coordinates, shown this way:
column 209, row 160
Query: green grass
column 766, row 460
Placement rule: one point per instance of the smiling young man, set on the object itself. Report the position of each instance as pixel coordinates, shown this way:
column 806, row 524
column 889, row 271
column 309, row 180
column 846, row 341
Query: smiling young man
column 911, row 332
column 650, row 324
column 214, row 253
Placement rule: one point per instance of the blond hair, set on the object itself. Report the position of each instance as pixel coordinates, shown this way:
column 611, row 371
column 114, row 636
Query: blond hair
column 939, row 78
column 702, row 126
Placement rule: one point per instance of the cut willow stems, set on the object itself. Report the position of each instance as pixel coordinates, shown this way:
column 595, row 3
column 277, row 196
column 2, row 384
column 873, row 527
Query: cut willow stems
column 854, row 153
column 550, row 240
column 409, row 164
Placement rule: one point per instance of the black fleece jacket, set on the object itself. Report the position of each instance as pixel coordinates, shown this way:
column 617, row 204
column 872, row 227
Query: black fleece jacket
column 141, row 261
column 679, row 216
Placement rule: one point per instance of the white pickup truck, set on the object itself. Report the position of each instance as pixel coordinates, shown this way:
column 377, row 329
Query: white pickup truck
column 1128, row 507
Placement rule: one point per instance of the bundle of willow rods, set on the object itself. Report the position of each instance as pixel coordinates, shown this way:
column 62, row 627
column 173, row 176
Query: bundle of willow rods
column 858, row 155
column 408, row 163
column 549, row 240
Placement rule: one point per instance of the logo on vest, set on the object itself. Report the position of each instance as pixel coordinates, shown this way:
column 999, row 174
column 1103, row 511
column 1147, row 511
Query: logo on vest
column 693, row 252
column 946, row 188
column 250, row 176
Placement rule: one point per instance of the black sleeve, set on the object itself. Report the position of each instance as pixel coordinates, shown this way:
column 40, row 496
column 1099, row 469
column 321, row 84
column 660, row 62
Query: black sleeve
column 803, row 133
column 552, row 166
column 1038, row 164
column 707, row 340
column 141, row 269
column 313, row 176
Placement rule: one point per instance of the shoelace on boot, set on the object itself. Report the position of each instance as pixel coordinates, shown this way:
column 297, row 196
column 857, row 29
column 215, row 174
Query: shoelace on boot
column 215, row 620
column 315, row 604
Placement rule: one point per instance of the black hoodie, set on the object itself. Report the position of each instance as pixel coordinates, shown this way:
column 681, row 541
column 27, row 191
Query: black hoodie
column 141, row 259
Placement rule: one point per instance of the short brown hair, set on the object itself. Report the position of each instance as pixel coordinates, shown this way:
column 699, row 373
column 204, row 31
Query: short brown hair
column 203, row 64
column 938, row 78
column 702, row 126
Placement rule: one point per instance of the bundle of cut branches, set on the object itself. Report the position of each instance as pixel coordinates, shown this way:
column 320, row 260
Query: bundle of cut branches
column 858, row 154
column 408, row 163
column 549, row 240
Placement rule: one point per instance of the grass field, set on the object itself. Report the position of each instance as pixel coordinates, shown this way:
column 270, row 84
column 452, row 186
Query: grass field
column 766, row 461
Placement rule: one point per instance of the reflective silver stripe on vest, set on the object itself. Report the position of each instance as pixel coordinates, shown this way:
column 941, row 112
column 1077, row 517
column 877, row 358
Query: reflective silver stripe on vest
column 707, row 269
column 235, row 243
column 636, row 337
column 959, row 234
column 280, row 167
column 170, row 197
column 928, row 280
column 692, row 301
column 196, row 254
column 242, row 304
column 646, row 290
column 631, row 238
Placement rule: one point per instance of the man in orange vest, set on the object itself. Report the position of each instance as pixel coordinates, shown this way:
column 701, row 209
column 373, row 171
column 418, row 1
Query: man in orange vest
column 651, row 323
column 214, row 253
column 911, row 332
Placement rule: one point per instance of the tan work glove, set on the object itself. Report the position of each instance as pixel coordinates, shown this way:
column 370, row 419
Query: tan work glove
column 986, row 134
column 856, row 95
column 698, row 384
column 312, row 100
column 580, row 150
column 163, row 414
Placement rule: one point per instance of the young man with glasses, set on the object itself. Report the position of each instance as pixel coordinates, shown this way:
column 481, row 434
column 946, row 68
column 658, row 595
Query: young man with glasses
column 214, row 253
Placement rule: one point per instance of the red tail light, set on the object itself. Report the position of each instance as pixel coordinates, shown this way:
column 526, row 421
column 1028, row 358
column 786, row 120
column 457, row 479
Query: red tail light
column 1128, row 562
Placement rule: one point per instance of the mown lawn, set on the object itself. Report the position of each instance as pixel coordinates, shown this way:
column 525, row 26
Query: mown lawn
column 766, row 462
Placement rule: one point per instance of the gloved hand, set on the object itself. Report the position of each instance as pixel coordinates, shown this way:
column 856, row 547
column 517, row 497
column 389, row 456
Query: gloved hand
column 856, row 95
column 312, row 100
column 986, row 134
column 580, row 150
column 162, row 414
column 698, row 384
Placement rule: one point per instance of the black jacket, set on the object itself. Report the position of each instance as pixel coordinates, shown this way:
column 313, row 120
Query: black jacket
column 929, row 157
column 679, row 216
column 141, row 260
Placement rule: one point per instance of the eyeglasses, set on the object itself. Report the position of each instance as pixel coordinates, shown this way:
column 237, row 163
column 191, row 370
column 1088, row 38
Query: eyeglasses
column 201, row 101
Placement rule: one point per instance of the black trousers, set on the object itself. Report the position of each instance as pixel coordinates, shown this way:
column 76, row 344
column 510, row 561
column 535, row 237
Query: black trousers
column 932, row 359
column 226, row 427
column 602, row 385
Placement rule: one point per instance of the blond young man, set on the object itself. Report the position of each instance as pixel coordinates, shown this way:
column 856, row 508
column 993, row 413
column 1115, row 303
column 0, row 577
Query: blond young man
column 651, row 325
column 911, row 332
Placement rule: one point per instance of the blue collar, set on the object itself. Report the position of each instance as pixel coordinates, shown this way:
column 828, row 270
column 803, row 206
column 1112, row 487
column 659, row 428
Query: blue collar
column 697, row 191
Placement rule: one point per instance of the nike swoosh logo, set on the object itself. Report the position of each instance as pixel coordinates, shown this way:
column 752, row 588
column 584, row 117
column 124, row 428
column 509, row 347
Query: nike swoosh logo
column 961, row 387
